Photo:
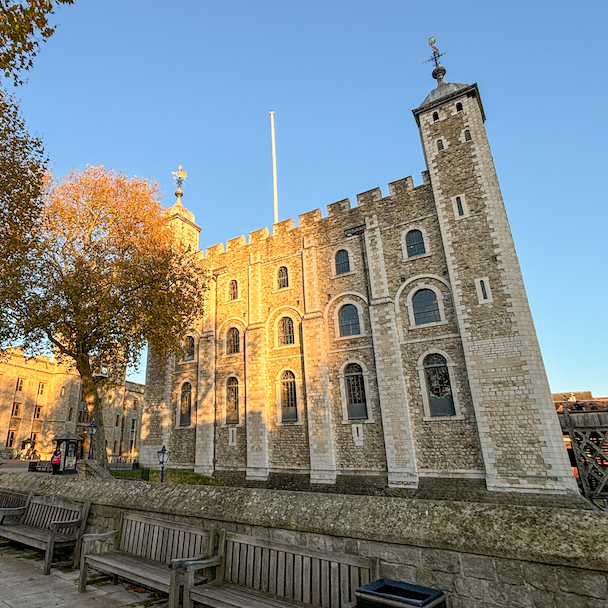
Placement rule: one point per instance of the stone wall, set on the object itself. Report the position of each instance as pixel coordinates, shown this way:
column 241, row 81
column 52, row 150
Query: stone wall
column 481, row 555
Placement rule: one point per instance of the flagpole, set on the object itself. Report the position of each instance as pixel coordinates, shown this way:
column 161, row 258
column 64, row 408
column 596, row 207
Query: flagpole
column 274, row 170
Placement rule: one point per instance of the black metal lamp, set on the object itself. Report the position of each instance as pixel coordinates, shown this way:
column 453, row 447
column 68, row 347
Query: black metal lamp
column 92, row 429
column 163, row 457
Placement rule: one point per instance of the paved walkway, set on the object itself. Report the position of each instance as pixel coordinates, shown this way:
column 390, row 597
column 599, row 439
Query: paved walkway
column 22, row 585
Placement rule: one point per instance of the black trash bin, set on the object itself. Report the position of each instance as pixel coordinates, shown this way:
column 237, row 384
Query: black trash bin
column 395, row 594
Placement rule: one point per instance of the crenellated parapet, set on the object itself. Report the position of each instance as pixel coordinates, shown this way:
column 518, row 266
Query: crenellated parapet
column 338, row 213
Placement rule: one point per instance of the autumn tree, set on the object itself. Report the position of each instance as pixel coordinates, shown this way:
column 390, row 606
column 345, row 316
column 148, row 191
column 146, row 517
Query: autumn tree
column 23, row 25
column 105, row 275
column 22, row 171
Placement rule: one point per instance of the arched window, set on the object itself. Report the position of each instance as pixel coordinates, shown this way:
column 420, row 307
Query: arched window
column 286, row 333
column 342, row 262
column 355, row 392
column 459, row 206
column 71, row 414
column 289, row 398
column 189, row 349
column 467, row 135
column 426, row 307
column 185, row 405
column 233, row 290
column 233, row 341
column 414, row 243
column 441, row 402
column 440, row 145
column 458, row 107
column 283, row 277
column 435, row 116
column 116, row 447
column 232, row 401
column 117, row 420
column 348, row 320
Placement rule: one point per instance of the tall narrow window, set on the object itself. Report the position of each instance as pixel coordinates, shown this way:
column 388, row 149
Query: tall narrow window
column 426, row 307
column 348, row 320
column 439, row 145
column 459, row 206
column 117, row 420
column 38, row 412
column 435, row 116
column 185, row 405
column 232, row 401
column 233, row 290
column 467, row 135
column 286, row 333
column 19, row 386
column 283, row 277
column 441, row 402
column 414, row 243
column 342, row 262
column 10, row 440
column 62, row 391
column 189, row 349
column 233, row 341
column 16, row 410
column 115, row 447
column 289, row 398
column 458, row 107
column 41, row 388
column 71, row 415
column 484, row 292
column 355, row 392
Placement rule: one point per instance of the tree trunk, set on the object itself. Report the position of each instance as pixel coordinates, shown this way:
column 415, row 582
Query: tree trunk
column 91, row 398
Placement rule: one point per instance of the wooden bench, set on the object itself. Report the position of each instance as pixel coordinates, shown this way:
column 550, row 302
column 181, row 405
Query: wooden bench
column 48, row 523
column 149, row 552
column 259, row 573
column 10, row 501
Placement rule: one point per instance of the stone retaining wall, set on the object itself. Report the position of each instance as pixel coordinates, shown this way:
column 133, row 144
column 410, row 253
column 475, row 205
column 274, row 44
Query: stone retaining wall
column 481, row 555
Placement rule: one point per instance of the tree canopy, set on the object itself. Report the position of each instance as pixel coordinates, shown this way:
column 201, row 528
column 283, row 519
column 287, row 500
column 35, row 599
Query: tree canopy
column 23, row 25
column 105, row 275
column 22, row 170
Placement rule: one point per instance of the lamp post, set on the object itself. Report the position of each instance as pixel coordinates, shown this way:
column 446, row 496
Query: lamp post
column 163, row 456
column 92, row 431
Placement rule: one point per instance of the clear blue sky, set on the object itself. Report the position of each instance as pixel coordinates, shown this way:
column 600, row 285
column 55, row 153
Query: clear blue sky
column 145, row 85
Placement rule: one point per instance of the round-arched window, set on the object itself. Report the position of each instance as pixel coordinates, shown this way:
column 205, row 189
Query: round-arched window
column 414, row 243
column 348, row 320
column 233, row 341
column 426, row 307
column 232, row 400
column 439, row 389
column 185, row 405
column 356, row 402
column 289, row 397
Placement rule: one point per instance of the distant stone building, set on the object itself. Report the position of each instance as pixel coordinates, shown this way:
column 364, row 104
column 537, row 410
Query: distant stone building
column 41, row 398
column 379, row 345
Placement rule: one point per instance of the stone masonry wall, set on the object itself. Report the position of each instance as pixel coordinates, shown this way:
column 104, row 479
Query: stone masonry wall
column 481, row 555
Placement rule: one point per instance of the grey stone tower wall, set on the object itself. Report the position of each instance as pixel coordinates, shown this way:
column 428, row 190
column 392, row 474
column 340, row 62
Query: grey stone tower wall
column 521, row 440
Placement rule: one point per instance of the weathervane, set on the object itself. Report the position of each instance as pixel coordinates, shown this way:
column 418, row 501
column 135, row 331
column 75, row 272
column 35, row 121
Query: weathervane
column 436, row 53
column 179, row 176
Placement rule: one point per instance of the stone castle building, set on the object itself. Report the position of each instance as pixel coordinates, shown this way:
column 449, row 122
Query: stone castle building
column 41, row 398
column 383, row 343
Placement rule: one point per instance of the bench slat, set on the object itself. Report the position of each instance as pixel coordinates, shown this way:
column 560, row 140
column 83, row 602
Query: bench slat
column 289, row 575
column 281, row 573
column 306, row 581
column 324, row 583
column 250, row 559
column 243, row 564
column 334, row 577
column 265, row 569
column 272, row 573
column 228, row 594
column 315, row 582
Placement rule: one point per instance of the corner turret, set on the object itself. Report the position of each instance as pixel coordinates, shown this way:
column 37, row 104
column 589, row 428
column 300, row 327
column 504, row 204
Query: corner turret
column 180, row 218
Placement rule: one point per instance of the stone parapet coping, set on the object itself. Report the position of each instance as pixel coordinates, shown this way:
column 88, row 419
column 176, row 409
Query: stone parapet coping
column 557, row 536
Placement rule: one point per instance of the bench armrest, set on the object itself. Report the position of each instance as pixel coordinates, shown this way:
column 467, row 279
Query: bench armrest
column 204, row 563
column 102, row 536
column 179, row 563
column 56, row 526
column 6, row 511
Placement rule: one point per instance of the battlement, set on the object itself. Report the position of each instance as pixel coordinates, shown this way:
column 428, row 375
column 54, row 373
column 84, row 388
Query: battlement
column 314, row 218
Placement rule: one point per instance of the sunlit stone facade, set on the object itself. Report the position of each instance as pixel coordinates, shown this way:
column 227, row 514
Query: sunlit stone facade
column 385, row 342
column 40, row 398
